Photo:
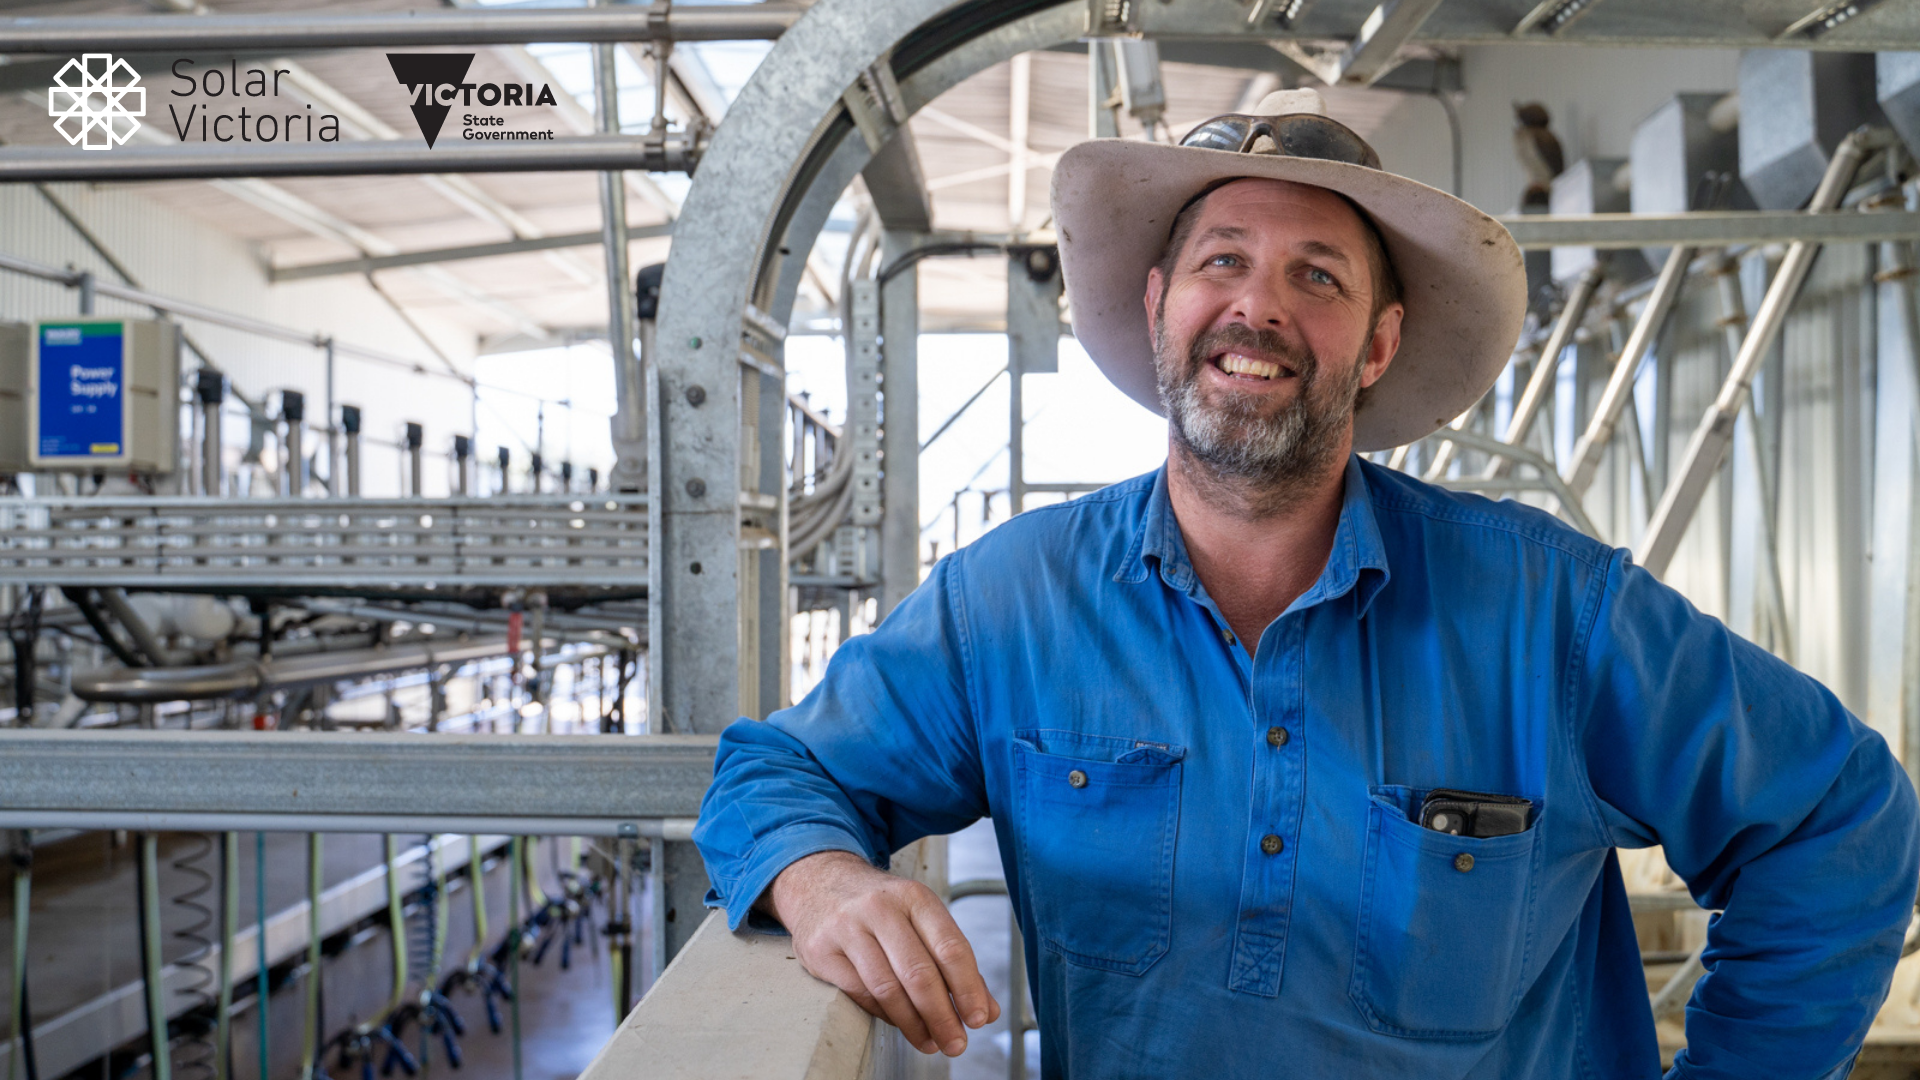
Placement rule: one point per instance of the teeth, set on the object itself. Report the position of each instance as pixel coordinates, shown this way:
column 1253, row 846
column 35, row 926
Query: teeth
column 1235, row 364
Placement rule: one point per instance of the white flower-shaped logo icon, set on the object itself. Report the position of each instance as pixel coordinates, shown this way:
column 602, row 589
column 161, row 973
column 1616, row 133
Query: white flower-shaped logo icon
column 89, row 94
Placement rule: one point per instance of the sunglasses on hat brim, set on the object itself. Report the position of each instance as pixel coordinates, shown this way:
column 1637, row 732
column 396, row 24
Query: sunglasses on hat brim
column 1300, row 135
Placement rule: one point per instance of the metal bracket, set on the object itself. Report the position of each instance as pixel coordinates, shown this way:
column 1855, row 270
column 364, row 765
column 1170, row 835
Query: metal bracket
column 876, row 105
column 863, row 402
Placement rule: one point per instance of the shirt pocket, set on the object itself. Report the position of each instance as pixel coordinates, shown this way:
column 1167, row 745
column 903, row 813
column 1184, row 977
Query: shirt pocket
column 1097, row 820
column 1445, row 925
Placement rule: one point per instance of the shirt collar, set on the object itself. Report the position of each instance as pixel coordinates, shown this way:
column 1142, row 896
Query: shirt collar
column 1358, row 562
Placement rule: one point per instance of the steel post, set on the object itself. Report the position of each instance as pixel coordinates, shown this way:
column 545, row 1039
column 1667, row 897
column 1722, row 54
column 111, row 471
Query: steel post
column 416, row 438
column 152, row 982
column 900, row 431
column 1580, row 470
column 1707, row 449
column 1893, row 639
column 1733, row 322
column 350, row 426
column 1546, row 368
column 211, row 390
column 293, row 413
column 630, row 411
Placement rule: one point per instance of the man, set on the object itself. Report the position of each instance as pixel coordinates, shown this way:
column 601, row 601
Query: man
column 1300, row 767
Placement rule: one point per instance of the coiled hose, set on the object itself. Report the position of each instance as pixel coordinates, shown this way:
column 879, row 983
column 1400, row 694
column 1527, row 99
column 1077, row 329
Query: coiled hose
column 196, row 1056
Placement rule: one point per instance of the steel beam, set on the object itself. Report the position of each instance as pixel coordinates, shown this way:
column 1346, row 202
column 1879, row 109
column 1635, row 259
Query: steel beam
column 1707, row 449
column 898, row 185
column 1593, row 442
column 1546, row 368
column 311, row 775
column 431, row 256
column 1709, row 228
column 900, row 431
column 210, row 161
column 306, row 30
column 1390, row 26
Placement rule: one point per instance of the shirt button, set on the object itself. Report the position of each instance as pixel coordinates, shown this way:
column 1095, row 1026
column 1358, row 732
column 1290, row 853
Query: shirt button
column 1076, row 778
column 1276, row 736
column 1463, row 862
column 1272, row 844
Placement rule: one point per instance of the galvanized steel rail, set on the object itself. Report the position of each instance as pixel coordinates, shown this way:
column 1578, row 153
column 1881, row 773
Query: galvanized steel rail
column 202, row 542
column 553, row 784
column 303, row 30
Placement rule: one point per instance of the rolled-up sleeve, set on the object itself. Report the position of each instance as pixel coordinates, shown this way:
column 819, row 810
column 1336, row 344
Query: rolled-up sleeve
column 884, row 751
column 1775, row 805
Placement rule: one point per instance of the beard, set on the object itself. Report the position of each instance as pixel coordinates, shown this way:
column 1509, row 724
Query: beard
column 1278, row 451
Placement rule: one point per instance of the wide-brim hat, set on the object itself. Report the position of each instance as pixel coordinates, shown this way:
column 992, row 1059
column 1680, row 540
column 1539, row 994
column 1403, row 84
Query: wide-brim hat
column 1463, row 281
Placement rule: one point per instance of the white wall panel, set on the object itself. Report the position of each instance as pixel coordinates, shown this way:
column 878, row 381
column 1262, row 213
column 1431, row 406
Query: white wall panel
column 174, row 255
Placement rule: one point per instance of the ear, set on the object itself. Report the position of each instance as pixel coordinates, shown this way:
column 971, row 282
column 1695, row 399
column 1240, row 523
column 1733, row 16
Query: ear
column 1384, row 344
column 1156, row 285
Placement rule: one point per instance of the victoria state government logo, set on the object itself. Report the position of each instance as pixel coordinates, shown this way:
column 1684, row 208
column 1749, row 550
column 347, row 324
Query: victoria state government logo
column 92, row 92
column 438, row 80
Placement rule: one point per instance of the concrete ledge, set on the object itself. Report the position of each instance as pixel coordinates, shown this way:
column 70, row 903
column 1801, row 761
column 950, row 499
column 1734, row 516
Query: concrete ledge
column 740, row 1007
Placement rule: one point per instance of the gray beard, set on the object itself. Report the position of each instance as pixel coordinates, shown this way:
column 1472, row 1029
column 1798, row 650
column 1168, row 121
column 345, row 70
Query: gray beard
column 1277, row 453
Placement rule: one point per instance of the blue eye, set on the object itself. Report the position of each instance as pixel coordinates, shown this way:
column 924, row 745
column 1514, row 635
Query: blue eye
column 1320, row 277
column 1223, row 260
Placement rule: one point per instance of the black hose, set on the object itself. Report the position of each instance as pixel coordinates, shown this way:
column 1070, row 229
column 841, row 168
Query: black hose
column 83, row 599
column 26, row 1033
column 22, row 852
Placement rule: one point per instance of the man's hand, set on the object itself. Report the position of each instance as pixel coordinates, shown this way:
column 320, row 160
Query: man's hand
column 888, row 942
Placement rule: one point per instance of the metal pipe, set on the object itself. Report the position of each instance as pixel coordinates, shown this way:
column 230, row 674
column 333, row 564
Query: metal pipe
column 333, row 444
column 373, row 157
column 1707, row 228
column 151, row 968
column 416, row 438
column 21, row 1037
column 247, row 678
column 229, row 932
column 1546, row 368
column 143, row 635
column 630, row 413
column 1707, row 449
column 305, row 30
column 1443, row 457
column 1593, row 442
column 293, row 410
column 1733, row 322
column 350, row 426
column 361, row 823
column 1549, row 480
column 310, row 1033
column 462, row 465
column 190, row 310
column 211, row 389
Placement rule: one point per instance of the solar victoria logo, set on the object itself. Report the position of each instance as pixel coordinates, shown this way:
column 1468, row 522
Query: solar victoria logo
column 437, row 80
column 89, row 94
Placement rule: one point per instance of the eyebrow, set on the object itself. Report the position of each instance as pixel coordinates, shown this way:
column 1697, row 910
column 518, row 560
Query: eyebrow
column 1325, row 251
column 1312, row 247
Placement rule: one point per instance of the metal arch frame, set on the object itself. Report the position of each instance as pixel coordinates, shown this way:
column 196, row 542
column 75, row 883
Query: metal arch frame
column 783, row 153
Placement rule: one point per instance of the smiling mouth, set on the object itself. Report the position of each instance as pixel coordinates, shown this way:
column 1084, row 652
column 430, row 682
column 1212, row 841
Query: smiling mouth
column 1240, row 365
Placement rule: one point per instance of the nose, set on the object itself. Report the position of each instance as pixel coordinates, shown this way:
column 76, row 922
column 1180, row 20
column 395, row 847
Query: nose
column 1261, row 303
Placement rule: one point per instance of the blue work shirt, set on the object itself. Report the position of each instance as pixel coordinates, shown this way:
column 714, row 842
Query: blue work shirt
column 1216, row 860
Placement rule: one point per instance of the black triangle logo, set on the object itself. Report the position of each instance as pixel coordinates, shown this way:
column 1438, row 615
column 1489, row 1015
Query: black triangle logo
column 430, row 71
